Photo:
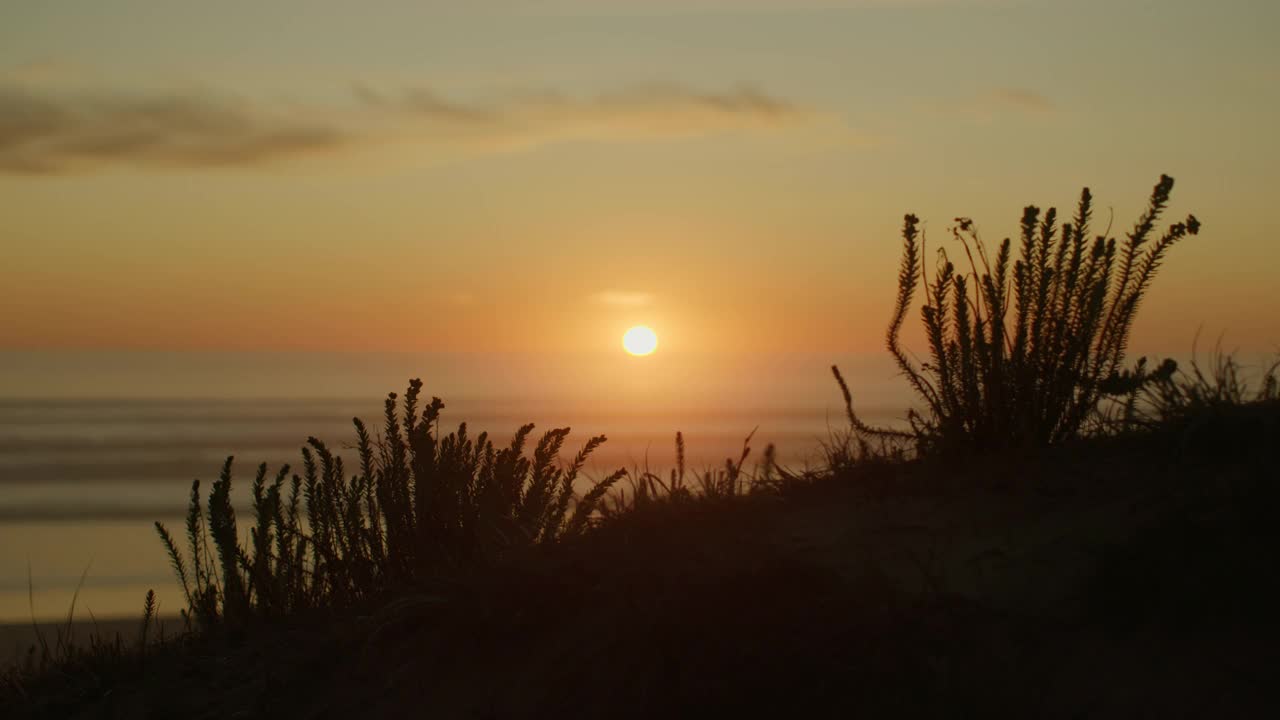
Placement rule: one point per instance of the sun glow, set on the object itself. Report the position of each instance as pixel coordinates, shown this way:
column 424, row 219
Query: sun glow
column 640, row 340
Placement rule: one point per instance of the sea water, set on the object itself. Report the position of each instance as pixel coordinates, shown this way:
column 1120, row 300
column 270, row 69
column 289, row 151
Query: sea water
column 95, row 446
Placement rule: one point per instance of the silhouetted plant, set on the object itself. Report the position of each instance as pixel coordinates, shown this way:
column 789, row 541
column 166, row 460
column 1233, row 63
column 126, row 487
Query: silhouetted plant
column 731, row 480
column 70, row 658
column 994, row 381
column 1201, row 392
column 422, row 502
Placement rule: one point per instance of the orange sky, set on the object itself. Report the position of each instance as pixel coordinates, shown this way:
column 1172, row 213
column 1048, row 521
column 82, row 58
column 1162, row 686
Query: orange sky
column 733, row 174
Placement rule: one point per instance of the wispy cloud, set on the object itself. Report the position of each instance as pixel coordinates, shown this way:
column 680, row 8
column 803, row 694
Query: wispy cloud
column 51, row 132
column 48, row 129
column 526, row 118
column 623, row 298
column 987, row 106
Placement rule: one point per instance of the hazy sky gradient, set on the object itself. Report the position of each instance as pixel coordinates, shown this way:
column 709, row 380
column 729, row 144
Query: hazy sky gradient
column 535, row 176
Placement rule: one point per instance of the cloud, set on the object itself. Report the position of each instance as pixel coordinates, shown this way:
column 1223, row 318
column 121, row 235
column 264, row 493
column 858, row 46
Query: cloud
column 623, row 298
column 531, row 118
column 47, row 129
column 53, row 132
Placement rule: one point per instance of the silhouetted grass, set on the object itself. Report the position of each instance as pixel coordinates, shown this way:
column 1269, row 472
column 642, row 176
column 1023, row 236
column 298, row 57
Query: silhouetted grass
column 1224, row 384
column 734, row 479
column 421, row 503
column 828, row 592
column 1021, row 352
column 61, row 667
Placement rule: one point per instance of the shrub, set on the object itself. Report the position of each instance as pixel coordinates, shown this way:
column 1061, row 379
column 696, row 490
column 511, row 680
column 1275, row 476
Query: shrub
column 420, row 504
column 1021, row 352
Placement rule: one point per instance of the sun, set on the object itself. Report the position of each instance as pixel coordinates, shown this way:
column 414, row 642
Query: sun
column 640, row 340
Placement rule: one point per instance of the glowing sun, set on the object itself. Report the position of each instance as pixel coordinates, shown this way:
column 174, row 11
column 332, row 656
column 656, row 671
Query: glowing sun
column 640, row 340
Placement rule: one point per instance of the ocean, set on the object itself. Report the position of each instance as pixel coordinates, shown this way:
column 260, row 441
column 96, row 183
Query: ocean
column 95, row 446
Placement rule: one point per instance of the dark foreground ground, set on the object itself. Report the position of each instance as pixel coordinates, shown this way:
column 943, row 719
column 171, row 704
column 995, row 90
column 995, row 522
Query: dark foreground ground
column 1129, row 578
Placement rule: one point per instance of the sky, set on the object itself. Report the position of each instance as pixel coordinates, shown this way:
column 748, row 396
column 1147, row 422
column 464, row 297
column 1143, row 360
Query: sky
column 536, row 176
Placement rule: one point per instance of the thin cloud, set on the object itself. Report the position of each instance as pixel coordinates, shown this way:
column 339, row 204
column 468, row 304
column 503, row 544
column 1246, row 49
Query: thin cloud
column 51, row 132
column 531, row 118
column 623, row 298
column 54, row 130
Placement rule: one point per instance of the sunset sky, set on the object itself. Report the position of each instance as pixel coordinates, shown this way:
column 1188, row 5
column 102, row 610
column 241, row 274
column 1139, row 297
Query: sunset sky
column 537, row 176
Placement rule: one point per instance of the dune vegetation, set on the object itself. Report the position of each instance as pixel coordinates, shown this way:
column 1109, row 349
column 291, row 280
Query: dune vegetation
column 1053, row 530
